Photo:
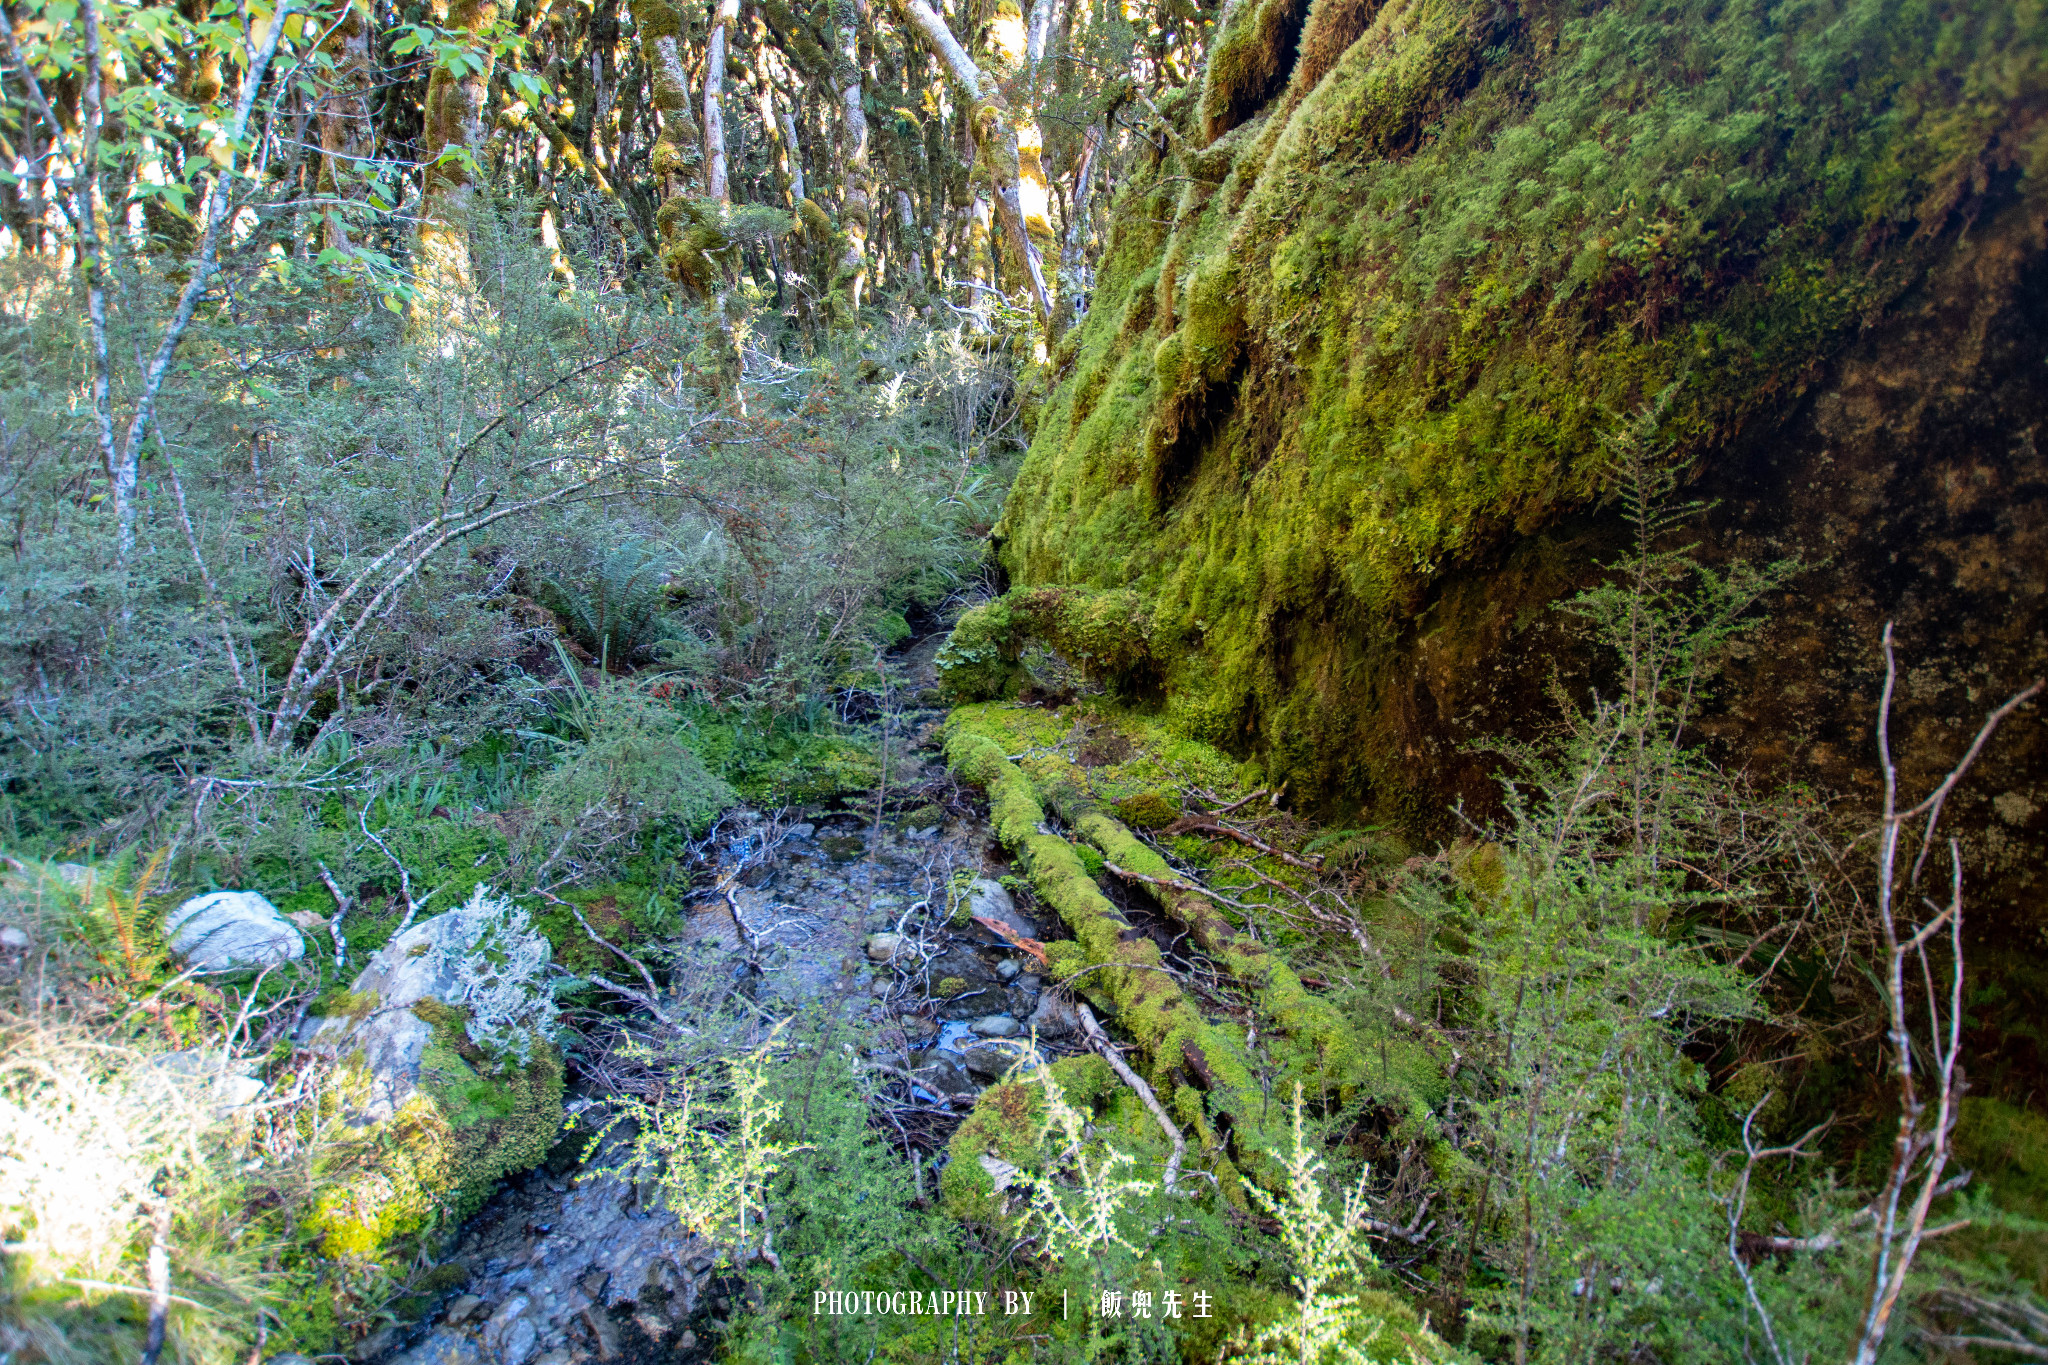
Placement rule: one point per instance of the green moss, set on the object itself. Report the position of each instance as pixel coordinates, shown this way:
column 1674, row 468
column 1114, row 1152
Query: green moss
column 1198, row 1068
column 436, row 1160
column 1148, row 810
column 1108, row 634
column 1480, row 248
column 345, row 1004
column 1005, row 1124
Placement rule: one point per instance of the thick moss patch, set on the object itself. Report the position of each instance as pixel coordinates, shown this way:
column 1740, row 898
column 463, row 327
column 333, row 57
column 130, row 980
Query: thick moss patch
column 436, row 1161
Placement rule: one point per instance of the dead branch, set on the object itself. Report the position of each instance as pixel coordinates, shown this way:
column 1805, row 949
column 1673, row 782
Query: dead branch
column 1100, row 1041
column 1921, row 1150
column 340, row 909
column 1202, row 824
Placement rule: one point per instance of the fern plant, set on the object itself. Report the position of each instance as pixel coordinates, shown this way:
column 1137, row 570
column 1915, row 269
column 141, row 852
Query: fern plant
column 617, row 608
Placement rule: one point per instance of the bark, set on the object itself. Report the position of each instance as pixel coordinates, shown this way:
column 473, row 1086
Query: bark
column 716, row 185
column 1074, row 275
column 450, row 140
column 857, row 215
column 348, row 130
column 660, row 29
column 995, row 141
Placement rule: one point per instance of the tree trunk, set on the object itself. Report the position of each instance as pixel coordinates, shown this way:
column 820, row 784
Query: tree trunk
column 716, row 187
column 348, row 131
column 856, row 218
column 660, row 27
column 1074, row 281
column 995, row 141
column 452, row 136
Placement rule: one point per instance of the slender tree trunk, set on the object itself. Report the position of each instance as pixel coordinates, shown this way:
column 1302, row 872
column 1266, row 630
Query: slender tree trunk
column 348, row 131
column 995, row 141
column 1074, row 280
column 856, row 219
column 797, row 192
column 724, row 15
column 452, row 137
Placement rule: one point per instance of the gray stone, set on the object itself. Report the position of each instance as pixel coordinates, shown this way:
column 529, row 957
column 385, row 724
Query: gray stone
column 227, row 1083
column 441, row 1349
column 884, row 947
column 288, row 1358
column 463, row 1309
column 1007, row 969
column 1055, row 1016
column 803, row 831
column 13, row 938
column 519, row 1343
column 997, row 1026
column 946, row 1074
column 991, row 1062
column 373, row 1345
column 232, row 929
column 990, row 899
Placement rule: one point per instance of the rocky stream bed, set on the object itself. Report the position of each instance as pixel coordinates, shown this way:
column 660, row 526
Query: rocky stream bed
column 869, row 916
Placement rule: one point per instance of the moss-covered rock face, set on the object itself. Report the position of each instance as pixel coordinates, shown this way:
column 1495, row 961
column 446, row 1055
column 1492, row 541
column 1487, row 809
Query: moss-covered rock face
column 1338, row 412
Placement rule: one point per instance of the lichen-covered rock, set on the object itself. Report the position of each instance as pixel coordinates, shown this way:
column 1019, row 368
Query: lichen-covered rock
column 447, row 1072
column 227, row 930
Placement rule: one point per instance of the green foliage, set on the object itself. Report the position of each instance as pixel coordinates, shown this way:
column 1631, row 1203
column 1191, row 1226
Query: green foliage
column 1328, row 1253
column 629, row 784
column 617, row 606
column 715, row 1151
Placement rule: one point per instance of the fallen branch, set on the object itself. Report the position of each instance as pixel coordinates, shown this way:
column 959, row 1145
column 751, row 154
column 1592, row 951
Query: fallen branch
column 1100, row 1041
column 1016, row 940
column 650, row 1001
column 1202, row 824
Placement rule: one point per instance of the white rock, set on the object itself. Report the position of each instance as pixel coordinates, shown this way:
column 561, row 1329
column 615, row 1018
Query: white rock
column 13, row 937
column 408, row 969
column 231, row 929
column 884, row 947
column 997, row 1026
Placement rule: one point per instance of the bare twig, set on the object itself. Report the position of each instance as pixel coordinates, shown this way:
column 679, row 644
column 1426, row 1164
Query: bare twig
column 1920, row 1151
column 1100, row 1041
column 1202, row 824
column 340, row 909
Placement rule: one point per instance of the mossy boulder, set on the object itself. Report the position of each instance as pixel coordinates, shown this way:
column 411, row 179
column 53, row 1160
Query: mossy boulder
column 1797, row 254
column 445, row 1079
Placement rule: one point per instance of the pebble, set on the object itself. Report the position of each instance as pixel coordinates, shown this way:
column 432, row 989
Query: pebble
column 884, row 947
column 13, row 937
column 1007, row 969
column 461, row 1310
column 997, row 1026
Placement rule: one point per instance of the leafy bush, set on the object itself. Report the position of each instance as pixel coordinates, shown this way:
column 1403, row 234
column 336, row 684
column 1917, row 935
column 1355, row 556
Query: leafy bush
column 628, row 783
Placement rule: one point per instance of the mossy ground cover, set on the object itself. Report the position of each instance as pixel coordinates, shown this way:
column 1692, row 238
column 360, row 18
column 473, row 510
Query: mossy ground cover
column 1357, row 328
